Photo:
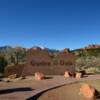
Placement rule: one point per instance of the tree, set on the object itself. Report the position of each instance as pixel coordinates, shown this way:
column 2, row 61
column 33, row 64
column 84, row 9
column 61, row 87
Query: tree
column 3, row 64
column 12, row 58
column 19, row 54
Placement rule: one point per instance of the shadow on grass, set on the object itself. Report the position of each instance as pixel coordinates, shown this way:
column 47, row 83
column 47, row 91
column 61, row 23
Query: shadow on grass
column 22, row 89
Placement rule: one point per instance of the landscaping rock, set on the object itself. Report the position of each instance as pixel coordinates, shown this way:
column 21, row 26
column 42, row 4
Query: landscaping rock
column 78, row 75
column 87, row 91
column 66, row 74
column 39, row 76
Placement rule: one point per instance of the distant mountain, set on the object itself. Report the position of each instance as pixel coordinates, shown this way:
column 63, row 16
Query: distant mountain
column 5, row 49
column 93, row 49
column 51, row 50
column 46, row 49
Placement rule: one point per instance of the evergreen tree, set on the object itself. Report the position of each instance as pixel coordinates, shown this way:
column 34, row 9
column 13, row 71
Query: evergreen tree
column 3, row 64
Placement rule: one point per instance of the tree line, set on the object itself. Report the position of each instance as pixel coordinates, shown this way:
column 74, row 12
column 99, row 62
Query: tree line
column 11, row 56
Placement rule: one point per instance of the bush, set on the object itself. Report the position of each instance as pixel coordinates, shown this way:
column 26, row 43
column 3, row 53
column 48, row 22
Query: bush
column 92, row 70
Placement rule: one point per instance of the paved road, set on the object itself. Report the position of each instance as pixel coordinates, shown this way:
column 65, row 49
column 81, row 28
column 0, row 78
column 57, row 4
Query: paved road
column 23, row 89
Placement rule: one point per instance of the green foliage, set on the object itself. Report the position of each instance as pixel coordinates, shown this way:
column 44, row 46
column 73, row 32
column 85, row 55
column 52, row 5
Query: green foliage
column 87, row 52
column 19, row 55
column 13, row 55
column 92, row 70
column 87, row 59
column 3, row 64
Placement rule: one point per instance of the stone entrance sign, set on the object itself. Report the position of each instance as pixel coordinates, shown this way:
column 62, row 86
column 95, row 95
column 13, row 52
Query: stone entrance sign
column 39, row 60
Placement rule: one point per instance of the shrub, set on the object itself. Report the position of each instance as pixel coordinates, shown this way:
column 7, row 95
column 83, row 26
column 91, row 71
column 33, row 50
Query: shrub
column 92, row 70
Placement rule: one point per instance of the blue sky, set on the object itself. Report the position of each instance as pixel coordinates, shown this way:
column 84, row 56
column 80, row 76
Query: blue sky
column 50, row 23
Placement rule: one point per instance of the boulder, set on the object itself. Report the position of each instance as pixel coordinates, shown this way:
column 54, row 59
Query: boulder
column 87, row 91
column 67, row 74
column 39, row 76
column 13, row 76
column 78, row 75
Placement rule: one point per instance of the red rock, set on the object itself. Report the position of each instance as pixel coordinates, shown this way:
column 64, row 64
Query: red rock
column 78, row 75
column 39, row 76
column 87, row 91
column 92, row 46
column 66, row 74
